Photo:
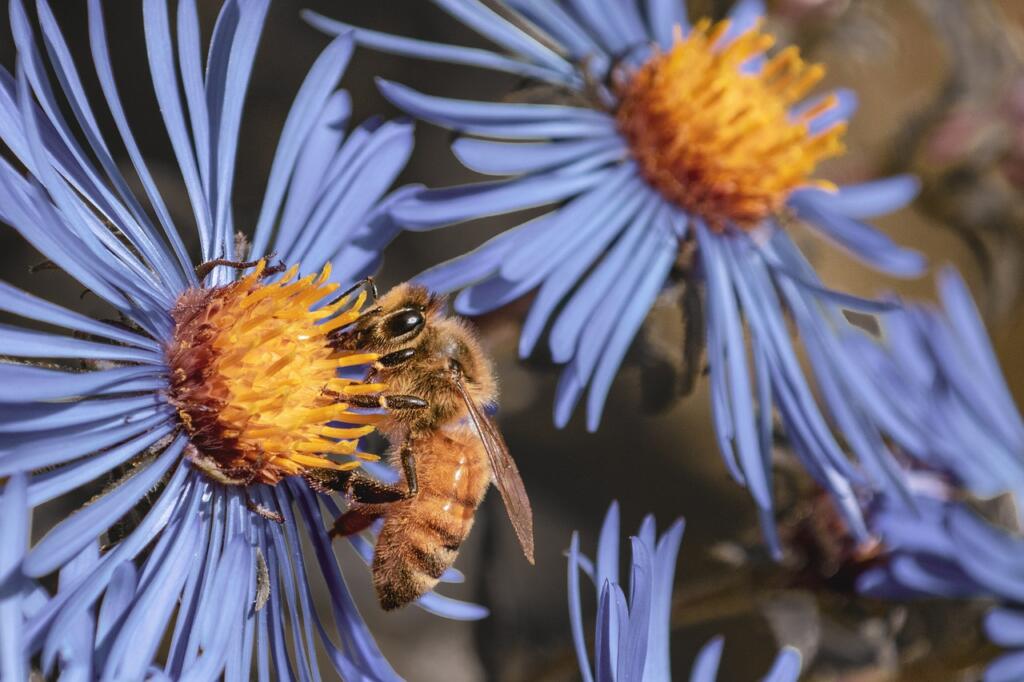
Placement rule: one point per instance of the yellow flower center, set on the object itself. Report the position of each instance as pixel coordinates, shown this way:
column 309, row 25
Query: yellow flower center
column 256, row 382
column 720, row 143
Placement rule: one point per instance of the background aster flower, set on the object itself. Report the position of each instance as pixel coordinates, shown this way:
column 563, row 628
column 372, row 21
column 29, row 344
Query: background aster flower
column 682, row 153
column 958, row 434
column 937, row 382
column 191, row 564
column 631, row 636
column 940, row 548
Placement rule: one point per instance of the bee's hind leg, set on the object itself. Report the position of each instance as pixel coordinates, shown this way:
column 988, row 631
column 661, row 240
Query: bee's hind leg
column 351, row 522
column 365, row 490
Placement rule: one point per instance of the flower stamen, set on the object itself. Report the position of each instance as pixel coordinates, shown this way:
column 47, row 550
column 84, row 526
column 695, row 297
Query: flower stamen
column 723, row 143
column 256, row 384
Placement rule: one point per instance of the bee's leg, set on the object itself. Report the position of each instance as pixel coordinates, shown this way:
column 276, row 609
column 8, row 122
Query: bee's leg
column 351, row 522
column 364, row 489
column 367, row 491
column 395, row 358
column 387, row 401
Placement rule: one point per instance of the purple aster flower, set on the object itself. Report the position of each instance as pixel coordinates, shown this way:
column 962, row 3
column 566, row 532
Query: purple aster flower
column 957, row 431
column 936, row 547
column 936, row 383
column 206, row 400
column 631, row 636
column 683, row 152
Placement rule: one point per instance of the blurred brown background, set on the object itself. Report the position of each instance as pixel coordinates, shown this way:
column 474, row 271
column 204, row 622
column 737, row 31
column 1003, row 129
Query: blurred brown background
column 941, row 88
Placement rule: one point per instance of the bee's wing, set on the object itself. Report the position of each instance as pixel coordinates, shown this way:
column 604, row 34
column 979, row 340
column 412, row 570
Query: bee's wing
column 506, row 474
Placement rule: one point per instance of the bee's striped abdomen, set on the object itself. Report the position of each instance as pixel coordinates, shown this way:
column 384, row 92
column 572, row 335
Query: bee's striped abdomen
column 421, row 539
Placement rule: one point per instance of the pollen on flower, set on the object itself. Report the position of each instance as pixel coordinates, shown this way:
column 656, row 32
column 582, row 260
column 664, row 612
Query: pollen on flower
column 722, row 143
column 255, row 381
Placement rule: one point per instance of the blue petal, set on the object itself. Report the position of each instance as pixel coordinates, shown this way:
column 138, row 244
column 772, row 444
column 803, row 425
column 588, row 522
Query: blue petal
column 576, row 609
column 14, row 533
column 606, row 639
column 608, row 547
column 862, row 240
column 516, row 158
column 840, row 298
column 633, row 658
column 352, row 194
column 743, row 16
column 722, row 304
column 165, row 84
column 69, row 536
column 229, row 594
column 309, row 105
column 963, row 315
column 565, row 335
column 564, row 28
column 929, row 577
column 13, row 527
column 705, row 667
column 1005, row 627
column 120, row 595
column 786, row 667
column 24, row 382
column 842, row 111
column 602, row 325
column 643, row 296
column 320, row 152
column 658, row 646
column 100, row 245
column 28, row 417
column 421, row 49
column 190, row 60
column 137, row 226
column 14, row 300
column 867, row 199
column 46, row 448
column 489, row 24
column 453, row 609
column 226, row 101
column 991, row 557
column 64, row 608
column 29, row 211
column 192, row 603
column 617, row 27
column 356, row 639
column 613, row 31
column 52, row 484
column 105, row 74
column 663, row 16
column 138, row 640
column 68, row 154
column 493, row 119
column 470, row 267
column 588, row 212
column 435, row 208
column 1008, row 668
column 577, row 253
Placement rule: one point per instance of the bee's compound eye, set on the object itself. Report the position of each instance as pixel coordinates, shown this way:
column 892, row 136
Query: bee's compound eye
column 404, row 322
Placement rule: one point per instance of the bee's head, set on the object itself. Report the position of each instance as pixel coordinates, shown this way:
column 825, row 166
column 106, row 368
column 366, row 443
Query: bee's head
column 396, row 321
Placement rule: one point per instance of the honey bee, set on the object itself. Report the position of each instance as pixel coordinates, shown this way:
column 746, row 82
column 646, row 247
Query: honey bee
column 447, row 449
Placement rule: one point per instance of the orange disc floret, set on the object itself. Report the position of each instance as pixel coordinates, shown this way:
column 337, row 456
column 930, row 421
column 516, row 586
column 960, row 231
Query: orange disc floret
column 719, row 142
column 255, row 381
